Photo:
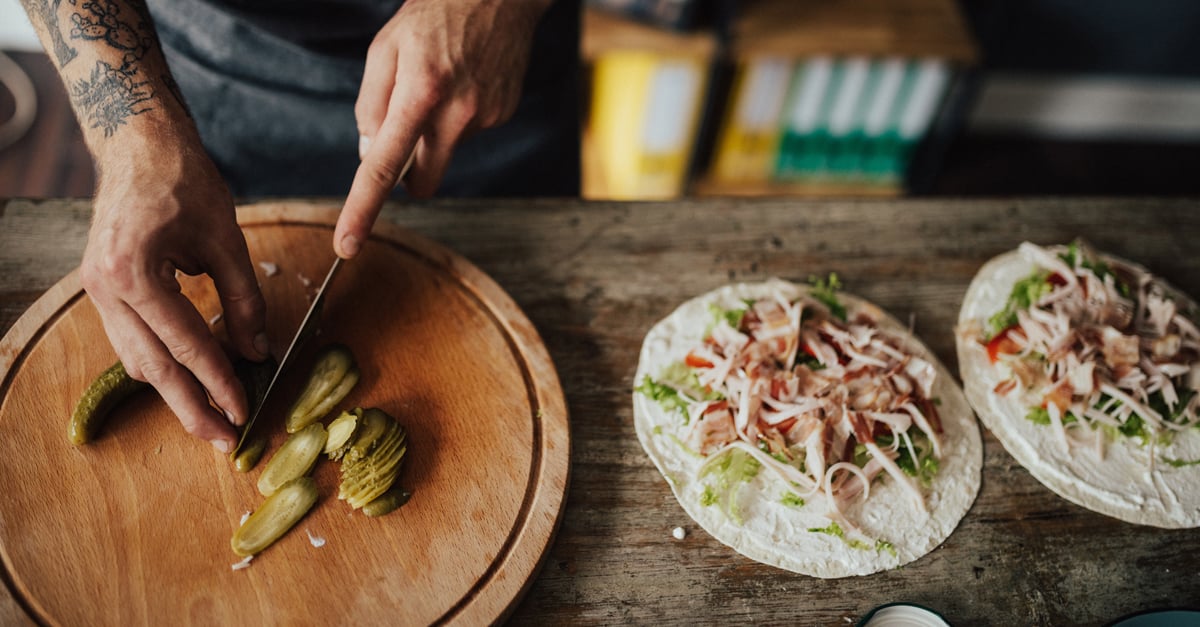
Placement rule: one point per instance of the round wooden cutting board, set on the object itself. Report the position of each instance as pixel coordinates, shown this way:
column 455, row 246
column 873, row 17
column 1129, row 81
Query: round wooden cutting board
column 134, row 528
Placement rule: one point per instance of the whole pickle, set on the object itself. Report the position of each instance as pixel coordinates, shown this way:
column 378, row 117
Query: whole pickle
column 332, row 376
column 105, row 392
column 294, row 459
column 279, row 513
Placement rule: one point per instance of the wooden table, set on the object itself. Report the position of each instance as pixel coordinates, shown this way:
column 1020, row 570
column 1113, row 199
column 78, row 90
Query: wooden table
column 593, row 277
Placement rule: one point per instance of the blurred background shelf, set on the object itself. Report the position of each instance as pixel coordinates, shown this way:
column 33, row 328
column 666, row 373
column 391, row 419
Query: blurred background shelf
column 1058, row 97
column 773, row 97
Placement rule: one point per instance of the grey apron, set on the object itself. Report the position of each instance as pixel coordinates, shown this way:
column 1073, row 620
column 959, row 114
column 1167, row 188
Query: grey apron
column 272, row 85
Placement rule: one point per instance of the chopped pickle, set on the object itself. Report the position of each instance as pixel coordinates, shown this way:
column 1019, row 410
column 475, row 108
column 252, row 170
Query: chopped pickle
column 249, row 455
column 374, row 425
column 329, row 382
column 341, row 432
column 387, row 502
column 279, row 513
column 368, row 474
column 294, row 459
column 105, row 392
column 371, row 458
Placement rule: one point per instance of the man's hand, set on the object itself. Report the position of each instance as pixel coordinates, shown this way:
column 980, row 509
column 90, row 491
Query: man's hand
column 438, row 71
column 167, row 209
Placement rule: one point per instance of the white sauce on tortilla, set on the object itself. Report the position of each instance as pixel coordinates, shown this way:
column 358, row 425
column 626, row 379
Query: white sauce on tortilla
column 1121, row 484
column 777, row 534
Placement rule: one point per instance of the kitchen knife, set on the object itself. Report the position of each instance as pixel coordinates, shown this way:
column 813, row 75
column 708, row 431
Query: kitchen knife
column 308, row 327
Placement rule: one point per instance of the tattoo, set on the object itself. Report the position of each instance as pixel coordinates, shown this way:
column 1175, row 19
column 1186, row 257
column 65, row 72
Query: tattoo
column 112, row 94
column 47, row 11
column 102, row 22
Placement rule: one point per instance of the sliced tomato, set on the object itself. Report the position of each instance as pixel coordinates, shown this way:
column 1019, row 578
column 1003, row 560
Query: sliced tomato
column 696, row 361
column 1056, row 279
column 1001, row 344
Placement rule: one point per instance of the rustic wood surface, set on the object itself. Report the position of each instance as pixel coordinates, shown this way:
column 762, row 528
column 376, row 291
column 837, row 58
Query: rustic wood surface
column 594, row 277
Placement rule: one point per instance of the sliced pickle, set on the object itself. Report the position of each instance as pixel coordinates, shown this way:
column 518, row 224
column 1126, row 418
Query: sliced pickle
column 381, row 461
column 279, row 513
column 294, row 459
column 387, row 502
column 333, row 365
column 336, row 395
column 101, row 396
column 369, row 473
column 373, row 425
column 371, row 463
column 249, row 454
column 341, row 432
column 356, row 470
column 365, row 479
column 377, row 482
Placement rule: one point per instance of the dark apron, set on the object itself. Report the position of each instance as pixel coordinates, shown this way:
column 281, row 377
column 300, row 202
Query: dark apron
column 275, row 106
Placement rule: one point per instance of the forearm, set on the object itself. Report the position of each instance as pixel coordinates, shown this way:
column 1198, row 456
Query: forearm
column 110, row 62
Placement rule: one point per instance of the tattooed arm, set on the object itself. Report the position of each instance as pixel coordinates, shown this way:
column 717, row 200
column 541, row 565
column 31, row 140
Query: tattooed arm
column 160, row 207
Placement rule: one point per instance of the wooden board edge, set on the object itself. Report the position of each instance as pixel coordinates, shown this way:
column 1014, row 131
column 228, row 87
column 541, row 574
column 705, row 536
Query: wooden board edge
column 13, row 346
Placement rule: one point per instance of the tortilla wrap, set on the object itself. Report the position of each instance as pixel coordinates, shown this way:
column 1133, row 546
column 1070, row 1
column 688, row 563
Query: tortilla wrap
column 1123, row 484
column 778, row 534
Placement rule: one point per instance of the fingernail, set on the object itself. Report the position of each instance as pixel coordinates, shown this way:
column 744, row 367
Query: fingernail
column 350, row 245
column 262, row 345
column 229, row 416
column 221, row 445
column 364, row 143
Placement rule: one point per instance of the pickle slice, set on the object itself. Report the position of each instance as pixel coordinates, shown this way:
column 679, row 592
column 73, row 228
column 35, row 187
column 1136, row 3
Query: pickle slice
column 341, row 433
column 387, row 502
column 382, row 460
column 294, row 459
column 251, row 452
column 335, row 396
column 368, row 476
column 279, row 513
column 325, row 384
column 101, row 396
column 374, row 424
column 377, row 482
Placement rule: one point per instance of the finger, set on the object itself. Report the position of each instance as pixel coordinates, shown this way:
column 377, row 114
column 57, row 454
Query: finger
column 378, row 174
column 379, row 79
column 146, row 359
column 173, row 319
column 434, row 151
column 242, row 301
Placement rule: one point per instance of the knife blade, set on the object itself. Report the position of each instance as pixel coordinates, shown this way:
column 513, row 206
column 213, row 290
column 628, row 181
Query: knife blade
column 308, row 327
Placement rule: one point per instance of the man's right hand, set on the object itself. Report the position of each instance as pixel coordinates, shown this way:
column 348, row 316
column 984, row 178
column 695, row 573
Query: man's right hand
column 159, row 210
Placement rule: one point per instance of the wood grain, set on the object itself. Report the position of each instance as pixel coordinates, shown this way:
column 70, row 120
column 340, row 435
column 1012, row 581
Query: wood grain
column 134, row 528
column 594, row 277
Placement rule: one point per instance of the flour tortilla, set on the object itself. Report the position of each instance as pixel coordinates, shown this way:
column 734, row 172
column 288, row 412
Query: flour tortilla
column 1121, row 485
column 778, row 534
